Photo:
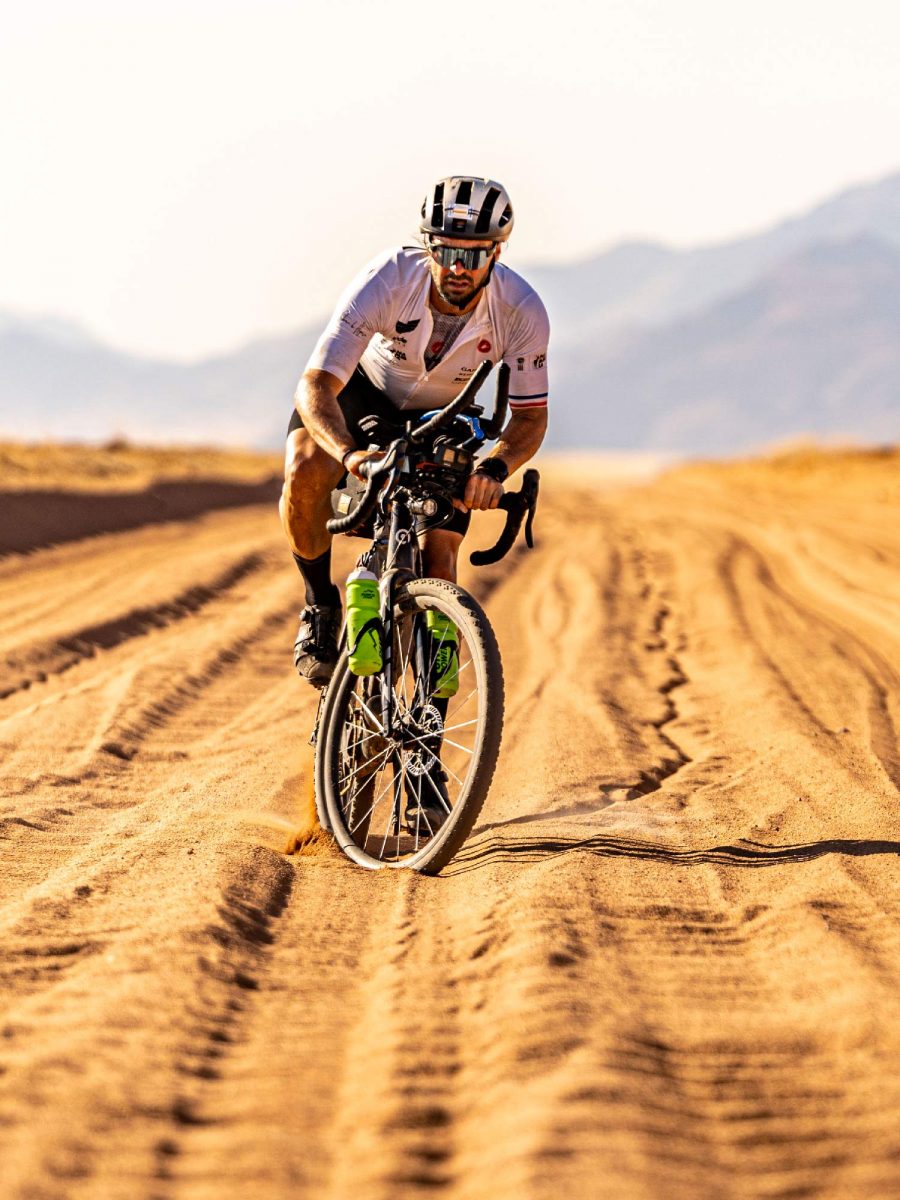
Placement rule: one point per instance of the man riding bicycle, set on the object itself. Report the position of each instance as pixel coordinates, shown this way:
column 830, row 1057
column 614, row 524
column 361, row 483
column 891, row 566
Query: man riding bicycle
column 408, row 332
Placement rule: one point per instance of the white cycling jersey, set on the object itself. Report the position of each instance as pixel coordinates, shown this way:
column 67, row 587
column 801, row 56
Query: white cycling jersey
column 383, row 322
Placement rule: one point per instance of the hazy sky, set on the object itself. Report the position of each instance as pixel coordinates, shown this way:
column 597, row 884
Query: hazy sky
column 183, row 175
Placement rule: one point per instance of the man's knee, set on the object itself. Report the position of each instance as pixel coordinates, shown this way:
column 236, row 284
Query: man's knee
column 309, row 472
column 440, row 553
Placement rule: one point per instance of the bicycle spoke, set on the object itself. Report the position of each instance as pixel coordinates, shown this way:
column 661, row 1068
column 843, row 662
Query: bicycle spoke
column 366, row 738
column 461, row 725
column 437, row 791
column 406, row 661
column 362, row 767
column 463, row 667
column 406, row 684
column 449, row 742
column 371, row 808
column 359, row 700
column 387, row 827
column 463, row 703
column 378, row 797
column 418, row 802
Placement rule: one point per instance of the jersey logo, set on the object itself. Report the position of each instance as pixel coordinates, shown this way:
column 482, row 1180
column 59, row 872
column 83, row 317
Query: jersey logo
column 354, row 323
column 483, row 346
column 407, row 326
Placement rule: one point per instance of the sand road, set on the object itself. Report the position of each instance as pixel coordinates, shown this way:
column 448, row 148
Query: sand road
column 666, row 964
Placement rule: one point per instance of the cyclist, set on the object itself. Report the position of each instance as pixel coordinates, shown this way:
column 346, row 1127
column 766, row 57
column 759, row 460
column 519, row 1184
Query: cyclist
column 406, row 335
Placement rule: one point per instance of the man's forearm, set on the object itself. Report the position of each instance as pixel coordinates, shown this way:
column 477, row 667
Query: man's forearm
column 521, row 438
column 317, row 404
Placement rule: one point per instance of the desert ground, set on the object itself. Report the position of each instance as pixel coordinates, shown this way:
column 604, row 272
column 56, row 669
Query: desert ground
column 666, row 963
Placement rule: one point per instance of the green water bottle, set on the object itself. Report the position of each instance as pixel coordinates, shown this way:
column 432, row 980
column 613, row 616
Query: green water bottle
column 363, row 622
column 445, row 646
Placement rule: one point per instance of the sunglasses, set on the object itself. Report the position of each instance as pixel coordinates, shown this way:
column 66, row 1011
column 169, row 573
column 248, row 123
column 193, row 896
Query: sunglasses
column 473, row 258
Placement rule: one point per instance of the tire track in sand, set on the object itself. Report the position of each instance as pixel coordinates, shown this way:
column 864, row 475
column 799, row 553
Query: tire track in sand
column 880, row 679
column 91, row 779
column 119, row 1127
column 63, row 654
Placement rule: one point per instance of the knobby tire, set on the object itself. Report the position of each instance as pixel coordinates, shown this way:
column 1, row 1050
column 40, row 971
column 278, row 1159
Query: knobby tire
column 341, row 709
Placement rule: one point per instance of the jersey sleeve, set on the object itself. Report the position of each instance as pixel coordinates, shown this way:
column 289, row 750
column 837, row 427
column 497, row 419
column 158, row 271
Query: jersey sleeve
column 526, row 356
column 359, row 315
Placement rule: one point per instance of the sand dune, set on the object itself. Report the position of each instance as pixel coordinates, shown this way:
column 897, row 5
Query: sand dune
column 667, row 962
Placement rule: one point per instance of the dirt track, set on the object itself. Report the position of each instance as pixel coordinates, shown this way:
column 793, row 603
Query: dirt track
column 667, row 964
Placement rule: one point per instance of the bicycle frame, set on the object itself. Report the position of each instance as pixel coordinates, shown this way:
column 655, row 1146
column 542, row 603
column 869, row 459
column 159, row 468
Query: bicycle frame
column 402, row 562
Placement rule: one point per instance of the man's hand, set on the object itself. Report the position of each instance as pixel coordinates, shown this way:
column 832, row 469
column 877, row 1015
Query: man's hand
column 481, row 492
column 353, row 461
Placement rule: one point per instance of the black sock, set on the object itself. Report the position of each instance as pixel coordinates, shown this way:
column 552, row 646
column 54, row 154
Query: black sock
column 316, row 574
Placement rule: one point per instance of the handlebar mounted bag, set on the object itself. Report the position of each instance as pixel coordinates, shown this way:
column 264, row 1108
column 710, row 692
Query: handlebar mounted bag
column 346, row 496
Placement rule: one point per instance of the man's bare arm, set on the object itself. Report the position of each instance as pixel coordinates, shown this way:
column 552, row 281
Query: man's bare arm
column 521, row 438
column 518, row 442
column 316, row 402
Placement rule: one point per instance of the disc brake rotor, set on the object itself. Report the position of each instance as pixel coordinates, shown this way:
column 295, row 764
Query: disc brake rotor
column 424, row 723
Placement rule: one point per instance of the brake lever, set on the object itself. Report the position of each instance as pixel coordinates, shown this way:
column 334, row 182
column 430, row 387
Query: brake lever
column 516, row 505
column 384, row 464
column 531, row 486
column 370, row 469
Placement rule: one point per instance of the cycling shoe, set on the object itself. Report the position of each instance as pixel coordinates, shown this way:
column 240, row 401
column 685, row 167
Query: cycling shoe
column 316, row 650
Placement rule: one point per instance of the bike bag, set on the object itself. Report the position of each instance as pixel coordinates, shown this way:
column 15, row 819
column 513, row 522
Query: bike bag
column 346, row 496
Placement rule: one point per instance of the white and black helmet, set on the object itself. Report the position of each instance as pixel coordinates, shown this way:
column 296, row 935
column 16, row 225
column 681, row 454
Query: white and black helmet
column 464, row 206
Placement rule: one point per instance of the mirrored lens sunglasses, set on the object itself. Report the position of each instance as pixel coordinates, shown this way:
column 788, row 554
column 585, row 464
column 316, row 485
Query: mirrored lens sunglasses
column 473, row 258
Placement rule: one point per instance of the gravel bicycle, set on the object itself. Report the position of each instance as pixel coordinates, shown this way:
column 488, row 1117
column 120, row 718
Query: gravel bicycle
column 405, row 756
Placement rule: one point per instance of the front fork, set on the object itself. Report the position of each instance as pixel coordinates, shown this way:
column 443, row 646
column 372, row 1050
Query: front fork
column 401, row 566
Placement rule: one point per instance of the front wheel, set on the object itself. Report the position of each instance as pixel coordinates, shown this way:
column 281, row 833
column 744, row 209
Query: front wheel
column 405, row 758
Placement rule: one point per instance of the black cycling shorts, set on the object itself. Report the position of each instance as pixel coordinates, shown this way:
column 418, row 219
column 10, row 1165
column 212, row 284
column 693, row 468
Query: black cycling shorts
column 361, row 398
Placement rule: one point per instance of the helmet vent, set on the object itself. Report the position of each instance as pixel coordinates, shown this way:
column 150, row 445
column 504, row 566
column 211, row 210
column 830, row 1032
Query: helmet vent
column 464, row 192
column 437, row 212
column 483, row 224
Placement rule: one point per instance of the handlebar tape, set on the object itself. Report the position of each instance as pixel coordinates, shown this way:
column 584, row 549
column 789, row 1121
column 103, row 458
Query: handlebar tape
column 370, row 469
column 517, row 505
column 359, row 514
column 494, row 426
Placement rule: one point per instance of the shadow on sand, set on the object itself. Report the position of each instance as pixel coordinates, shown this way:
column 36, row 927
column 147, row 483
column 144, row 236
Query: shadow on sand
column 494, row 850
column 30, row 520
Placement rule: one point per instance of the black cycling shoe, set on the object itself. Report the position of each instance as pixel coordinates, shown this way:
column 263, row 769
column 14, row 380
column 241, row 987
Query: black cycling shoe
column 427, row 801
column 315, row 650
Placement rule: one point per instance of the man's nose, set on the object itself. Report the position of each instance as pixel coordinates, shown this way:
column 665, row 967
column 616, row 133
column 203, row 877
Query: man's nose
column 457, row 268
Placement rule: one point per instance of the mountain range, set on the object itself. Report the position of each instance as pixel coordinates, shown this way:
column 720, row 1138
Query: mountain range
column 717, row 349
